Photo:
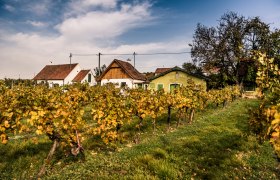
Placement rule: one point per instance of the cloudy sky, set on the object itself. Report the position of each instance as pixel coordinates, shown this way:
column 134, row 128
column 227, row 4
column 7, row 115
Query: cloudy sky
column 35, row 33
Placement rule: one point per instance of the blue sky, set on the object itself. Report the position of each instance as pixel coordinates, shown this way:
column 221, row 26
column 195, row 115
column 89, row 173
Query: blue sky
column 35, row 32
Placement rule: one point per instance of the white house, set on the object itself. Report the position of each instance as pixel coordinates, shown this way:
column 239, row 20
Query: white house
column 85, row 76
column 123, row 74
column 58, row 75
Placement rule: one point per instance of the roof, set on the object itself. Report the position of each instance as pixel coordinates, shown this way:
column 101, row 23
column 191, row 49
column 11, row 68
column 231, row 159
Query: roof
column 176, row 68
column 81, row 75
column 149, row 75
column 161, row 70
column 55, row 72
column 128, row 69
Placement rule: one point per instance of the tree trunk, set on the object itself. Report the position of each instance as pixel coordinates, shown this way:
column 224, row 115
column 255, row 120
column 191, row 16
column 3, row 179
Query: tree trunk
column 169, row 117
column 137, row 137
column 48, row 159
column 186, row 113
column 224, row 103
column 140, row 123
column 191, row 116
column 154, row 123
column 178, row 122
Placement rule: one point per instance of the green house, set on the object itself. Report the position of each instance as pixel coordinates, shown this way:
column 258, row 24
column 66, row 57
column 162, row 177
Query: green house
column 172, row 78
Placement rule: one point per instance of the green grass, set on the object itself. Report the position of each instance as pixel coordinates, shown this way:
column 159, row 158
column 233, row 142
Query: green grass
column 217, row 145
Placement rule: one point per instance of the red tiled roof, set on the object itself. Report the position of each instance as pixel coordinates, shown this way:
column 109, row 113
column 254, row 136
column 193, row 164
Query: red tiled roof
column 81, row 75
column 149, row 75
column 55, row 72
column 128, row 68
column 161, row 70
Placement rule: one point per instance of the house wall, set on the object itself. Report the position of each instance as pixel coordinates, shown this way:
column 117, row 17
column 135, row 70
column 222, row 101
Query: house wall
column 175, row 77
column 72, row 75
column 92, row 83
column 129, row 82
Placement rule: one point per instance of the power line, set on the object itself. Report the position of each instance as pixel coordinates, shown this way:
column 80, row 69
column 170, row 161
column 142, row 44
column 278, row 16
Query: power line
column 84, row 54
column 163, row 53
column 117, row 54
column 127, row 54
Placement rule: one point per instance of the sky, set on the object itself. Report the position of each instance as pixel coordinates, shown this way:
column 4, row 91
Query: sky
column 35, row 33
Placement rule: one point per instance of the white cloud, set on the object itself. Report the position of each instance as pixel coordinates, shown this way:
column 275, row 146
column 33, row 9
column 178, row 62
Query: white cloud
column 105, row 25
column 28, row 53
column 36, row 23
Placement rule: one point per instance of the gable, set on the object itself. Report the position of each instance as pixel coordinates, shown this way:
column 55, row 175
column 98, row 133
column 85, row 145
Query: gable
column 115, row 65
column 115, row 73
column 121, row 70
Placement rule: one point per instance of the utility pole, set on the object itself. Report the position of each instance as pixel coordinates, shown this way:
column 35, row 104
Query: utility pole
column 134, row 59
column 99, row 70
column 70, row 56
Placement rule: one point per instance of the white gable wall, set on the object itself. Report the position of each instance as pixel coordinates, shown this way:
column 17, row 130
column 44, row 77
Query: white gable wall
column 93, row 82
column 72, row 75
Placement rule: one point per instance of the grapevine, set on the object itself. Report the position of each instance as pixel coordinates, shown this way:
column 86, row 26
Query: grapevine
column 265, row 121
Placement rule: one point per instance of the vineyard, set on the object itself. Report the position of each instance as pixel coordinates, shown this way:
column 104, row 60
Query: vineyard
column 71, row 115
column 58, row 112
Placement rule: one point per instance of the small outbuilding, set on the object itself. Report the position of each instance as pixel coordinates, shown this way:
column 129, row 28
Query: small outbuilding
column 171, row 78
column 85, row 76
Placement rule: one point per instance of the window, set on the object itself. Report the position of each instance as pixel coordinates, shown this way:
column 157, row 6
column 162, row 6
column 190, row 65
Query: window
column 140, row 86
column 123, row 84
column 159, row 86
column 174, row 86
column 89, row 78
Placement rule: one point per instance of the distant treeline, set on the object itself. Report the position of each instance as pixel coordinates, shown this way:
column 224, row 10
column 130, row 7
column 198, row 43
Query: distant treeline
column 11, row 82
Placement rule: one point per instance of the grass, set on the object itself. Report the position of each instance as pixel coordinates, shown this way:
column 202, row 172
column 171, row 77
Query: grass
column 218, row 145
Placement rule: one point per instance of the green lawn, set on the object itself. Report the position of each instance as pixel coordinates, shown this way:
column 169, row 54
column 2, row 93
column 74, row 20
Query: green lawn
column 217, row 145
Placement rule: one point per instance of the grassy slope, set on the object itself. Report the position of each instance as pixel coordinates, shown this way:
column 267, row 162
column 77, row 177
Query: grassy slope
column 216, row 146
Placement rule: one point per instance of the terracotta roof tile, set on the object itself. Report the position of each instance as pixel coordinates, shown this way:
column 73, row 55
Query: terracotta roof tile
column 55, row 72
column 81, row 75
column 161, row 70
column 130, row 70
